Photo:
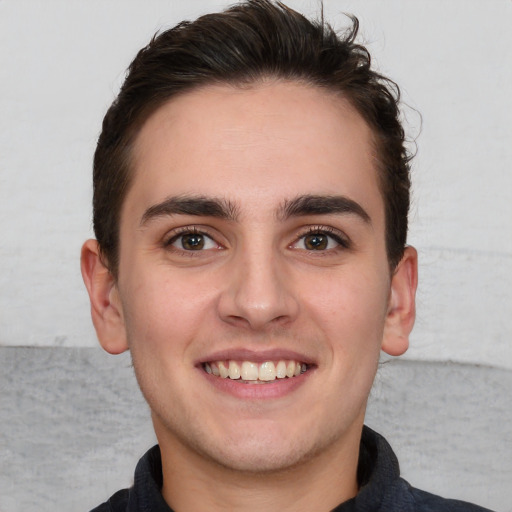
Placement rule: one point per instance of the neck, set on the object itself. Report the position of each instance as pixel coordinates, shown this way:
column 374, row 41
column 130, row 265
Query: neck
column 193, row 482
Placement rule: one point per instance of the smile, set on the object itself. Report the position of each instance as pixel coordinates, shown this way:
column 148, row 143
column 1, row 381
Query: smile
column 251, row 372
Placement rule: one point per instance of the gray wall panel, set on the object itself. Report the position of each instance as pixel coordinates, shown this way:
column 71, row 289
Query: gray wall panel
column 73, row 425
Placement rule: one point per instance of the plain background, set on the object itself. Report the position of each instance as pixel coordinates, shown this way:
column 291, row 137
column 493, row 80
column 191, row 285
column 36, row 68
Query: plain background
column 61, row 64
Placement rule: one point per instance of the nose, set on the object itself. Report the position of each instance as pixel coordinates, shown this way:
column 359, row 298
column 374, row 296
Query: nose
column 258, row 293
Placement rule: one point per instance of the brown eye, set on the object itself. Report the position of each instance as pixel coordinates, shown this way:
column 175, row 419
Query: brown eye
column 316, row 242
column 192, row 242
column 321, row 240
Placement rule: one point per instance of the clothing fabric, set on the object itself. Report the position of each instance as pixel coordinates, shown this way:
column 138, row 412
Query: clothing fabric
column 381, row 488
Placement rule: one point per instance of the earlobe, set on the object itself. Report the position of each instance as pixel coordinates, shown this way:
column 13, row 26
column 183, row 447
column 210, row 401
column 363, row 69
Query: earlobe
column 106, row 310
column 402, row 305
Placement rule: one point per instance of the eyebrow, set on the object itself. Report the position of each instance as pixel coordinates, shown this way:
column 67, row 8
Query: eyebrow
column 223, row 209
column 191, row 205
column 322, row 205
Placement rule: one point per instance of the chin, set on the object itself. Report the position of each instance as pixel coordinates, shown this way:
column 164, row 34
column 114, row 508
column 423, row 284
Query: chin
column 264, row 450
column 255, row 456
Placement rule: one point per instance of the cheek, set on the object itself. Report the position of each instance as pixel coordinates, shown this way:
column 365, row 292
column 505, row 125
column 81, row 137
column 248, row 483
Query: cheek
column 352, row 308
column 161, row 320
column 164, row 312
column 355, row 291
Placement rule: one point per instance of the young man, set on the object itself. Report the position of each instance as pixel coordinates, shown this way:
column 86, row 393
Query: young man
column 251, row 191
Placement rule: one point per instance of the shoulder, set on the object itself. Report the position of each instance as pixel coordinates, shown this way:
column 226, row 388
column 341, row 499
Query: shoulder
column 145, row 491
column 117, row 503
column 386, row 491
column 426, row 502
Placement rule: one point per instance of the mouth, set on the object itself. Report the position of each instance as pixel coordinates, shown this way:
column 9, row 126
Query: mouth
column 249, row 372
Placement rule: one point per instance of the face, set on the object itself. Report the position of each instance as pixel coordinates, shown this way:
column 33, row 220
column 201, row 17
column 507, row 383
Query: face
column 254, row 289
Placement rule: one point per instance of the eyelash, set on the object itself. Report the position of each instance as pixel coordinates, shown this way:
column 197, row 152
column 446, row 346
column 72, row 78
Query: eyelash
column 186, row 230
column 336, row 235
column 342, row 241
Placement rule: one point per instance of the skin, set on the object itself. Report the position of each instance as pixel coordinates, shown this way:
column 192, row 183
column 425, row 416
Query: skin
column 257, row 290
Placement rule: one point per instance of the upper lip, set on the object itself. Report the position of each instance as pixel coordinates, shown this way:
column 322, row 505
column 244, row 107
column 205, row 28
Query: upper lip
column 256, row 356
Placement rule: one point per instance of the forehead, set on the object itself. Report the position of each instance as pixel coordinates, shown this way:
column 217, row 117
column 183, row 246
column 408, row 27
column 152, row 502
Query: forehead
column 274, row 140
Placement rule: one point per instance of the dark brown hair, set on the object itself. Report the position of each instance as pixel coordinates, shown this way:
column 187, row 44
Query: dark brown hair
column 254, row 40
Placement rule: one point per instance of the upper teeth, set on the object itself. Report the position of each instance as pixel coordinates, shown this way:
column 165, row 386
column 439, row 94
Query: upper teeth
column 247, row 370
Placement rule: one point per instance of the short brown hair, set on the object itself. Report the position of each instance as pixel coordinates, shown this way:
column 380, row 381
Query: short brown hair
column 253, row 40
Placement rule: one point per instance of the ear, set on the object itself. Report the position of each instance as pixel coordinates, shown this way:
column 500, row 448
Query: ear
column 402, row 304
column 106, row 310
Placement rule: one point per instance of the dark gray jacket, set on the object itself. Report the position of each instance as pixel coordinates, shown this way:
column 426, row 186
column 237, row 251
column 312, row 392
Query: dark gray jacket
column 381, row 488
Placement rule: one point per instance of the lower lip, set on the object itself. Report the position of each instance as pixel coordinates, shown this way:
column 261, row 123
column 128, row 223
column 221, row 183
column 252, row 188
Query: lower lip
column 268, row 390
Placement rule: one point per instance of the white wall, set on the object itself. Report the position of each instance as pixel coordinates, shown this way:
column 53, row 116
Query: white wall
column 61, row 63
